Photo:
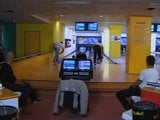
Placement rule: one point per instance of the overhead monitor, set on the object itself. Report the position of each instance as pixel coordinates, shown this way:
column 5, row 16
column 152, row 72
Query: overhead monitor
column 155, row 27
column 80, row 26
column 158, row 27
column 152, row 28
column 92, row 26
column 86, row 26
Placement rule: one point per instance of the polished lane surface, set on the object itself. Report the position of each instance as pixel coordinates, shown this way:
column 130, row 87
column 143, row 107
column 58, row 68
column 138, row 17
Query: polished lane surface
column 104, row 72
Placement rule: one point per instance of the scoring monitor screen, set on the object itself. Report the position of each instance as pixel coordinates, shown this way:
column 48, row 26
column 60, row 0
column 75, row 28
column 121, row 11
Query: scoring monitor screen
column 69, row 64
column 84, row 65
column 93, row 26
column 80, row 26
column 158, row 28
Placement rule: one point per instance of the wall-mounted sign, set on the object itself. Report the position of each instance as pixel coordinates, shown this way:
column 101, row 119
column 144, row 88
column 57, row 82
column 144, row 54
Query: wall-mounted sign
column 67, row 43
column 116, row 38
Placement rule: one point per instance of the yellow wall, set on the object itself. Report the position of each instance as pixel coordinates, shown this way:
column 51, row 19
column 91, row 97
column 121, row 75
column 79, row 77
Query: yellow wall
column 106, row 41
column 46, row 38
column 50, row 33
column 138, row 44
column 115, row 46
column 58, row 32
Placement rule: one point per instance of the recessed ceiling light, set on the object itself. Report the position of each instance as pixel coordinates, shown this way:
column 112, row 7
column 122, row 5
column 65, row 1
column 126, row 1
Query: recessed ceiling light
column 10, row 11
column 61, row 15
column 100, row 16
column 151, row 8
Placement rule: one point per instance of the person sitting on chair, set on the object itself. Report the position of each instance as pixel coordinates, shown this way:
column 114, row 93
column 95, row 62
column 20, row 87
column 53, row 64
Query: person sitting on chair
column 148, row 75
column 9, row 81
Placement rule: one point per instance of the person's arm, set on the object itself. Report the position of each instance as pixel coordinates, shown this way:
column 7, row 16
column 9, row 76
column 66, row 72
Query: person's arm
column 136, row 83
column 62, row 50
column 140, row 79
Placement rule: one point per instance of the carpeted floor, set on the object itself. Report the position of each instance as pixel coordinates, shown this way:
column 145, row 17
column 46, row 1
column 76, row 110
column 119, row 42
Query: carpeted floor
column 101, row 108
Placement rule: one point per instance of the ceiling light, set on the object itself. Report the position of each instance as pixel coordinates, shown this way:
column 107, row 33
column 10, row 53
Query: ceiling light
column 61, row 15
column 42, row 18
column 10, row 11
column 100, row 16
column 14, row 21
column 151, row 8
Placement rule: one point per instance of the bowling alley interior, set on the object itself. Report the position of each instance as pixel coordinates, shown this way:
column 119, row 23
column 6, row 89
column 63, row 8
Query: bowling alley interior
column 79, row 59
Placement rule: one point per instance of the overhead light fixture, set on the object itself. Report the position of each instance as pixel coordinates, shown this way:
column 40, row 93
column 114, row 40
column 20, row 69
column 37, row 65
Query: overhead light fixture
column 14, row 21
column 100, row 16
column 42, row 18
column 10, row 11
column 61, row 15
column 151, row 8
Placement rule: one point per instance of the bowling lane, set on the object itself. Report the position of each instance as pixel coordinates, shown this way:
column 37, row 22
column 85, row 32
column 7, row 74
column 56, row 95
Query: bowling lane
column 42, row 68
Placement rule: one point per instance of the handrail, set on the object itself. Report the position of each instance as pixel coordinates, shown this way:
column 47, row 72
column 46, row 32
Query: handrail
column 28, row 56
column 110, row 60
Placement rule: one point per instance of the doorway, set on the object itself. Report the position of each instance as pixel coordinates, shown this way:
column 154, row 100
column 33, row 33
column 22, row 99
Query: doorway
column 32, row 42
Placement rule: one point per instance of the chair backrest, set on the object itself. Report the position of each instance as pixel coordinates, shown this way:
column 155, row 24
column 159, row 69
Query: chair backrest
column 69, row 99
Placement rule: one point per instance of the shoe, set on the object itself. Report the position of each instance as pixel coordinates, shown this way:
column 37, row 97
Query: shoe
column 73, row 112
column 36, row 101
column 54, row 62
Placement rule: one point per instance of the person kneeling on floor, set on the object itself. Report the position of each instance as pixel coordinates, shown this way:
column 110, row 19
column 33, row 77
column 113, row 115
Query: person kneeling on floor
column 148, row 75
column 9, row 81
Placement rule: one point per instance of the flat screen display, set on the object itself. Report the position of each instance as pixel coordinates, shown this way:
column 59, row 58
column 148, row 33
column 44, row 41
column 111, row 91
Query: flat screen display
column 88, row 40
column 152, row 28
column 158, row 28
column 93, row 26
column 84, row 65
column 155, row 27
column 86, row 26
column 80, row 26
column 69, row 64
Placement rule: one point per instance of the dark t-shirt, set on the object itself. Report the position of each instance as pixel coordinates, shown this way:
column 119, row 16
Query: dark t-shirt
column 97, row 48
column 7, row 76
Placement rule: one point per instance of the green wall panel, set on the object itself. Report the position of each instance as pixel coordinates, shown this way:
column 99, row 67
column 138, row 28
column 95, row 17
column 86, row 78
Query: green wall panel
column 8, row 36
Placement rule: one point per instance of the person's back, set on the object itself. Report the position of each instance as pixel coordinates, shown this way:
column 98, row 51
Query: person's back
column 81, row 56
column 58, row 45
column 148, row 75
column 97, row 52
